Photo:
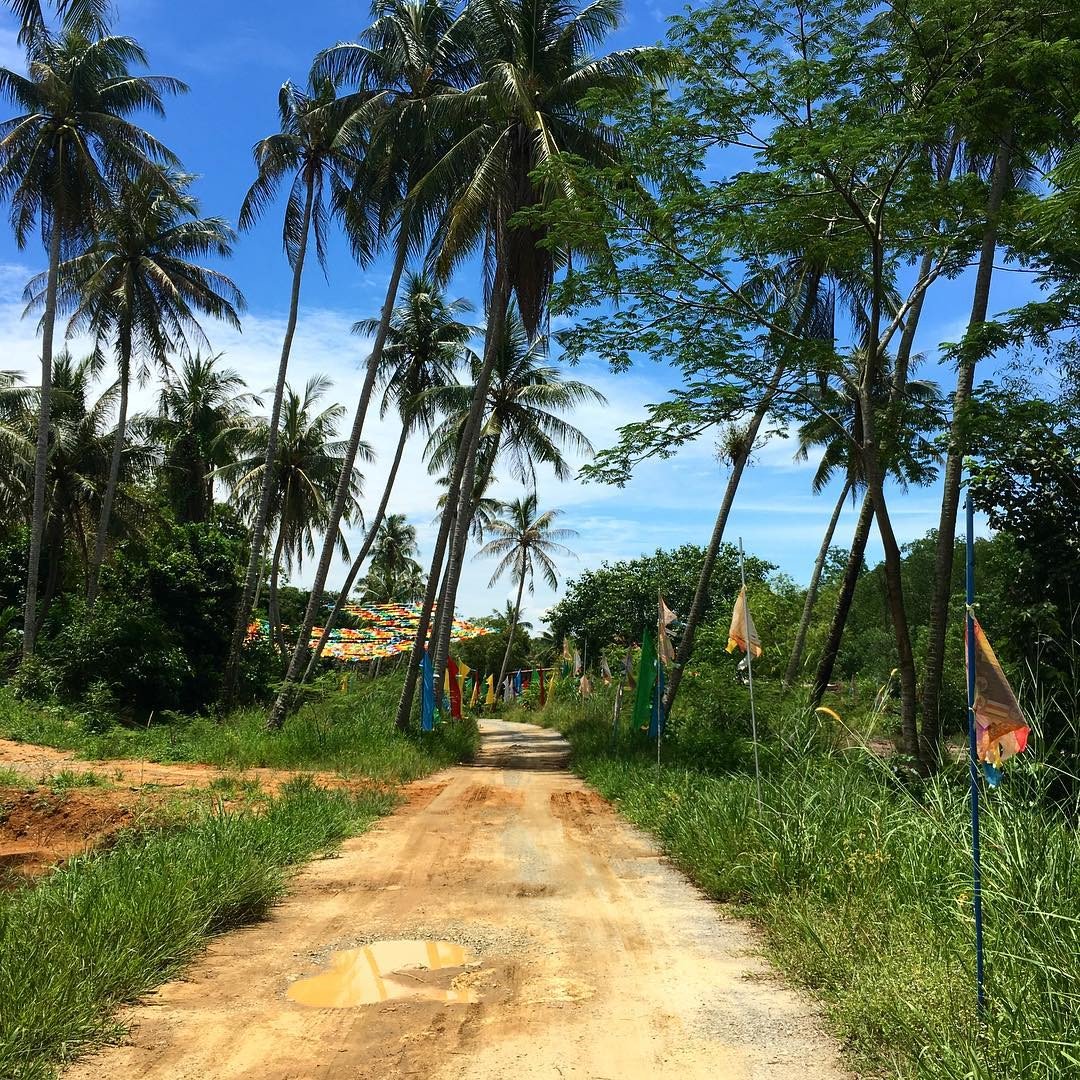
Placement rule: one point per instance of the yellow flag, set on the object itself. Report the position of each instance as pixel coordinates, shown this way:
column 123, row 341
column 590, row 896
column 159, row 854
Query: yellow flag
column 463, row 670
column 743, row 634
column 490, row 699
column 475, row 694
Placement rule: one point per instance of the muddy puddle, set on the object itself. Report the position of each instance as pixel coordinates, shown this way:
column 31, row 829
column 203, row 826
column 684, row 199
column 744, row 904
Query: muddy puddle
column 387, row 971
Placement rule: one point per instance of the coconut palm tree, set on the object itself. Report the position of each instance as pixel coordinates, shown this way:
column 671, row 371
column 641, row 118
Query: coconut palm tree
column 529, row 108
column 395, row 577
column 136, row 285
column 72, row 133
column 425, row 342
column 316, row 154
column 203, row 419
column 303, row 479
column 16, row 450
column 524, row 542
column 522, row 427
column 416, row 56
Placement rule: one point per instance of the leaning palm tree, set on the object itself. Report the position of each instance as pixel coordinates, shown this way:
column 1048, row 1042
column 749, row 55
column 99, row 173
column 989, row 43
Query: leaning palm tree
column 303, row 478
column 203, row 419
column 316, row 154
column 530, row 108
column 522, row 427
column 524, row 542
column 425, row 342
column 136, row 285
column 72, row 134
column 415, row 57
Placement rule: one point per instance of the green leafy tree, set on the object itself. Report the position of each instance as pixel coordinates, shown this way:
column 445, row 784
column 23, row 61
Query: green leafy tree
column 394, row 577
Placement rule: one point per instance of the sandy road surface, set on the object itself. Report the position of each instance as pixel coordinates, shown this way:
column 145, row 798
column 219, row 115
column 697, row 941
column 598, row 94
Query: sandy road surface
column 593, row 958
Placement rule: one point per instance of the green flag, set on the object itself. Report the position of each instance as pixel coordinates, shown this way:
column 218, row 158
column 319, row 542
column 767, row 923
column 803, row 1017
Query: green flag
column 646, row 681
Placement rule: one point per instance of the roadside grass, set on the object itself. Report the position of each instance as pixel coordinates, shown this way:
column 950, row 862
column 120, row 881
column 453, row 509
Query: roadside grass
column 349, row 733
column 108, row 926
column 861, row 881
column 12, row 778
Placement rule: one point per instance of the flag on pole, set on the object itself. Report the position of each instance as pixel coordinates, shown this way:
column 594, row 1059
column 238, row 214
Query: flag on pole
column 453, row 689
column 646, row 680
column 585, row 686
column 743, row 634
column 517, row 684
column 605, row 671
column 1000, row 728
column 490, row 699
column 665, row 617
column 577, row 663
column 427, row 696
column 475, row 691
column 628, row 668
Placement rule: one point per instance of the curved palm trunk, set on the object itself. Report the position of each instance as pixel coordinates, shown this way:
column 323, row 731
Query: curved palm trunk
column 114, row 473
column 954, row 460
column 243, row 612
column 462, row 478
column 513, row 627
column 812, row 591
column 823, row 675
column 297, row 662
column 277, row 635
column 362, row 554
column 55, row 549
column 41, row 457
column 701, row 592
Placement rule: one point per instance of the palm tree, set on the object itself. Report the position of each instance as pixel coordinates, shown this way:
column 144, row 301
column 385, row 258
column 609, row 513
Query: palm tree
column 316, row 153
column 303, row 479
column 91, row 14
column 424, row 344
column 16, row 450
column 395, row 577
column 524, row 541
column 203, row 418
column 73, row 132
column 136, row 284
column 836, row 428
column 537, row 70
column 522, row 427
column 416, row 56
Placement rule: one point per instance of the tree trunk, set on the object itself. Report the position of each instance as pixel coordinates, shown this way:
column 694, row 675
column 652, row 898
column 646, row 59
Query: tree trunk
column 513, row 625
column 277, row 635
column 55, row 549
column 297, row 662
column 812, row 590
column 41, row 457
column 461, row 481
column 701, row 592
column 1000, row 181
column 362, row 554
column 243, row 613
column 827, row 662
column 114, row 471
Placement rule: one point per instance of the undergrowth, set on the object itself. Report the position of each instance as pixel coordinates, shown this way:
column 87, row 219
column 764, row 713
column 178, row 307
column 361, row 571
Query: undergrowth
column 861, row 878
column 109, row 926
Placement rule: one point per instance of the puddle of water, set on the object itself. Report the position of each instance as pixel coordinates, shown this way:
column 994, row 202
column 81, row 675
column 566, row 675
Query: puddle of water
column 384, row 971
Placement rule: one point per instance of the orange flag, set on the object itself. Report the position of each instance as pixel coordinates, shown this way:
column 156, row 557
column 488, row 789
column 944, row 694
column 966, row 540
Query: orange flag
column 1000, row 728
column 743, row 634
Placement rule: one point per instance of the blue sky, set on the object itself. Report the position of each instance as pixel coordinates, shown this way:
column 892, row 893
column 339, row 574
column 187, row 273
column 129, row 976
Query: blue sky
column 235, row 57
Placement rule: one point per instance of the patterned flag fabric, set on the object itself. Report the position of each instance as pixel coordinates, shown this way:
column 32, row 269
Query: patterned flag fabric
column 743, row 634
column 1000, row 728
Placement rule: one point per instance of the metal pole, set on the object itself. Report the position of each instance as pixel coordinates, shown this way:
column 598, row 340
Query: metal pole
column 750, row 671
column 973, row 761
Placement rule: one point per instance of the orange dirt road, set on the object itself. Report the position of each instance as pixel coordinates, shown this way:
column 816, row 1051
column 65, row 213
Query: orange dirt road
column 586, row 955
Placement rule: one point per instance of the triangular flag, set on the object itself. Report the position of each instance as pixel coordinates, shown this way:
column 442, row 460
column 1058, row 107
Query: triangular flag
column 605, row 671
column 490, row 699
column 628, row 667
column 577, row 662
column 585, row 687
column 743, row 634
column 665, row 617
column 475, row 692
column 1000, row 728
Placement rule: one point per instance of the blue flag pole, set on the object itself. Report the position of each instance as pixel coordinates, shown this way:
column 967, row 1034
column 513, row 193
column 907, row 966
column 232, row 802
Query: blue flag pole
column 973, row 761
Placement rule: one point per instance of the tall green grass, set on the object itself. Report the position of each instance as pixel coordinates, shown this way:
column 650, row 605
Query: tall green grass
column 106, row 927
column 349, row 733
column 861, row 879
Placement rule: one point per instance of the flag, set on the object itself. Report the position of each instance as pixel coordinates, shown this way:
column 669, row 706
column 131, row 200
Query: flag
column 656, row 716
column 605, row 671
column 743, row 634
column 665, row 617
column 646, row 680
column 585, row 687
column 475, row 691
column 464, row 671
column 577, row 662
column 517, row 684
column 565, row 657
column 427, row 696
column 628, row 667
column 508, row 690
column 1000, row 728
column 453, row 689
column 490, row 699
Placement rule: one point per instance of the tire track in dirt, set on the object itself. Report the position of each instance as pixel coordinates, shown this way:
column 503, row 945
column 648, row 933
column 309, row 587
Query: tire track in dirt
column 595, row 959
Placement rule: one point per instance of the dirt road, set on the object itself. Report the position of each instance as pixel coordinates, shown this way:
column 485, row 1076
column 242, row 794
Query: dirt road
column 537, row 935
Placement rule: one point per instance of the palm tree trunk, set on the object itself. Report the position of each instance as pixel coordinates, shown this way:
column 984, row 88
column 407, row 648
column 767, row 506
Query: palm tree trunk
column 362, row 554
column 827, row 662
column 277, row 635
column 812, row 591
column 114, row 471
column 513, row 626
column 243, row 613
column 1000, row 181
column 297, row 661
column 41, row 457
column 55, row 549
column 461, row 485
column 701, row 592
